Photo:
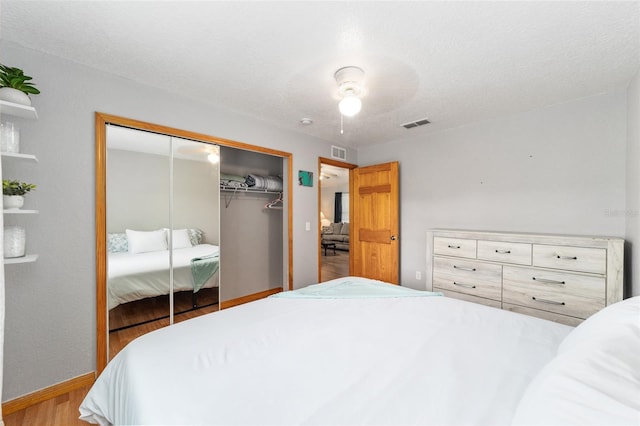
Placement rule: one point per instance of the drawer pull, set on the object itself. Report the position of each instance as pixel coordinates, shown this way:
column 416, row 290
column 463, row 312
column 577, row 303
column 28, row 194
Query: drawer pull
column 550, row 302
column 567, row 257
column 467, row 285
column 503, row 251
column 453, row 247
column 464, row 269
column 544, row 280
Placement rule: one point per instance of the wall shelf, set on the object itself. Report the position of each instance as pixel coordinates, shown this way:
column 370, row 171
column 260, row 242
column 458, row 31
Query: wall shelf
column 24, row 259
column 28, row 112
column 19, row 211
column 17, row 110
column 18, row 156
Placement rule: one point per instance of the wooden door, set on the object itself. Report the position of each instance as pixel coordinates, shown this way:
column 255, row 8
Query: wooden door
column 374, row 231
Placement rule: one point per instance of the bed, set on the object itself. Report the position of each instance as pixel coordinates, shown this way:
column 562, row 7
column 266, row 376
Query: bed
column 357, row 351
column 135, row 276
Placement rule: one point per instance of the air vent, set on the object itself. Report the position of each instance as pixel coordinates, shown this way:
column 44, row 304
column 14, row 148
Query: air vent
column 413, row 124
column 338, row 153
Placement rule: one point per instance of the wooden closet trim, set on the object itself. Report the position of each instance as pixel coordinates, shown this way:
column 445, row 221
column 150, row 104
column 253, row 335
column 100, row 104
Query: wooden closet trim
column 101, row 121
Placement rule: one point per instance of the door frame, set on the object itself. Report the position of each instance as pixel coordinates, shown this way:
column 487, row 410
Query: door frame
column 344, row 165
column 101, row 121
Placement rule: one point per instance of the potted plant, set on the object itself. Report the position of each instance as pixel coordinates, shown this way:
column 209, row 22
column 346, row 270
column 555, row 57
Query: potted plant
column 13, row 192
column 15, row 85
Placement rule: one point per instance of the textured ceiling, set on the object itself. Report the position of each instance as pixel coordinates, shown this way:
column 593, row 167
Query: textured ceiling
column 452, row 62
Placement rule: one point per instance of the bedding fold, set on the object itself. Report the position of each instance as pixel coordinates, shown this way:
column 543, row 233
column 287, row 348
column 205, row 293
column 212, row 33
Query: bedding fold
column 267, row 183
column 232, row 181
column 353, row 288
column 202, row 269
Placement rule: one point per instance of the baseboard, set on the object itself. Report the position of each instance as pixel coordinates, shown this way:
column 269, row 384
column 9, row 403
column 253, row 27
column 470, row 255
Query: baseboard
column 249, row 298
column 38, row 396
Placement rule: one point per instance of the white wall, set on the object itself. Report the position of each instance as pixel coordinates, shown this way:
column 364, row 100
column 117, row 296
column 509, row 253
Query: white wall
column 138, row 193
column 632, row 211
column 327, row 198
column 250, row 236
column 51, row 315
column 559, row 169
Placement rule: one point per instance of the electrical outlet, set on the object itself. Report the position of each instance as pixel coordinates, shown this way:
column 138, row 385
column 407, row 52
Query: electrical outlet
column 418, row 275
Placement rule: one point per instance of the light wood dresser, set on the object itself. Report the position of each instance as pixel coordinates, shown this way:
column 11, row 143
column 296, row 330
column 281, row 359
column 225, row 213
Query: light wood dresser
column 556, row 277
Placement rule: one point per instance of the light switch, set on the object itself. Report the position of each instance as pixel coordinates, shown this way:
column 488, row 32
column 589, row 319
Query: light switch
column 307, row 226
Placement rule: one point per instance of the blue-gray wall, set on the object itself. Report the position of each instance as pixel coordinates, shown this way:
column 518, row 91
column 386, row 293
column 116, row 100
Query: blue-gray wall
column 559, row 169
column 50, row 333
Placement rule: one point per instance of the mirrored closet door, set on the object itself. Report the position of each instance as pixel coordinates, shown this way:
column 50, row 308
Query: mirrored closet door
column 162, row 231
column 160, row 201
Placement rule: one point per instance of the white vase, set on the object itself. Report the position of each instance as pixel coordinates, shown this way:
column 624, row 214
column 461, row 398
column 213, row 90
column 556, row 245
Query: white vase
column 9, row 137
column 16, row 96
column 15, row 238
column 12, row 202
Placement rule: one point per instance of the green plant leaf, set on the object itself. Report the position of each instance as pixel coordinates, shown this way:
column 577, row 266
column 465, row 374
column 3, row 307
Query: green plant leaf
column 15, row 78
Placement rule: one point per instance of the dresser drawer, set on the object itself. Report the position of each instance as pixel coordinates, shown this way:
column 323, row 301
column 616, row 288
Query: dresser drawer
column 505, row 252
column 593, row 260
column 469, row 298
column 550, row 316
column 559, row 292
column 459, row 247
column 469, row 277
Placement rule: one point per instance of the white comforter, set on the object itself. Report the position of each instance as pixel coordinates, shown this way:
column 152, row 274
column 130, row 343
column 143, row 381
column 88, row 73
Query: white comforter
column 137, row 276
column 394, row 361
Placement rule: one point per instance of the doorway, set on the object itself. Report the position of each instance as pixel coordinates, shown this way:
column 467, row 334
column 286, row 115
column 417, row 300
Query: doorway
column 334, row 204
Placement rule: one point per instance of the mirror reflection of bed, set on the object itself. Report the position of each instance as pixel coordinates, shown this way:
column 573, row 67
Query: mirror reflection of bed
column 162, row 232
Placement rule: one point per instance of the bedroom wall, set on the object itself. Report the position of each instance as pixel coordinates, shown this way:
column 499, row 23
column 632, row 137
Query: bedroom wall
column 559, row 169
column 50, row 314
column 138, row 194
column 632, row 210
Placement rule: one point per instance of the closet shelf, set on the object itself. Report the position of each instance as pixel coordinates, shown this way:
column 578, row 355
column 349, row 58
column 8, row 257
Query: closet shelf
column 247, row 189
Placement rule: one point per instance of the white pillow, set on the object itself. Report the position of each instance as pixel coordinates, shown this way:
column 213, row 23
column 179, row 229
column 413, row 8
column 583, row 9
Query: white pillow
column 145, row 241
column 595, row 379
column 181, row 238
column 620, row 320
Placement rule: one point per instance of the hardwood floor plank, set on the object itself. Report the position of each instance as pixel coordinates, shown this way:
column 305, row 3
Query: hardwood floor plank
column 335, row 266
column 58, row 411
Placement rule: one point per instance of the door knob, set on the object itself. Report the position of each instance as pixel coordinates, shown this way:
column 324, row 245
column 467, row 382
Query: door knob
column 393, row 238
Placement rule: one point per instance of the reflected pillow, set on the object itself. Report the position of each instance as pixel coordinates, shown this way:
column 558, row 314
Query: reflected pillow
column 117, row 242
column 181, row 239
column 195, row 235
column 146, row 241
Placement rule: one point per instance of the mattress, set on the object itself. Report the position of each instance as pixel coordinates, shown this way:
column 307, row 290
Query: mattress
column 141, row 275
column 394, row 359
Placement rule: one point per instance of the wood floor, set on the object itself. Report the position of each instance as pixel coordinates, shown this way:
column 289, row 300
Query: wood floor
column 59, row 411
column 119, row 339
column 335, row 266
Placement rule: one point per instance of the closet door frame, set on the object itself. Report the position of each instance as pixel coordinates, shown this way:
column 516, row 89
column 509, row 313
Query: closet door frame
column 101, row 122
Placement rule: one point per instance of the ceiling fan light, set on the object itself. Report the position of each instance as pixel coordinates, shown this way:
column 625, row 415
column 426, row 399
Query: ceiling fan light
column 350, row 106
column 213, row 158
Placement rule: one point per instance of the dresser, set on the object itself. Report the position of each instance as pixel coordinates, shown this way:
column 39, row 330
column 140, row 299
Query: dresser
column 556, row 277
